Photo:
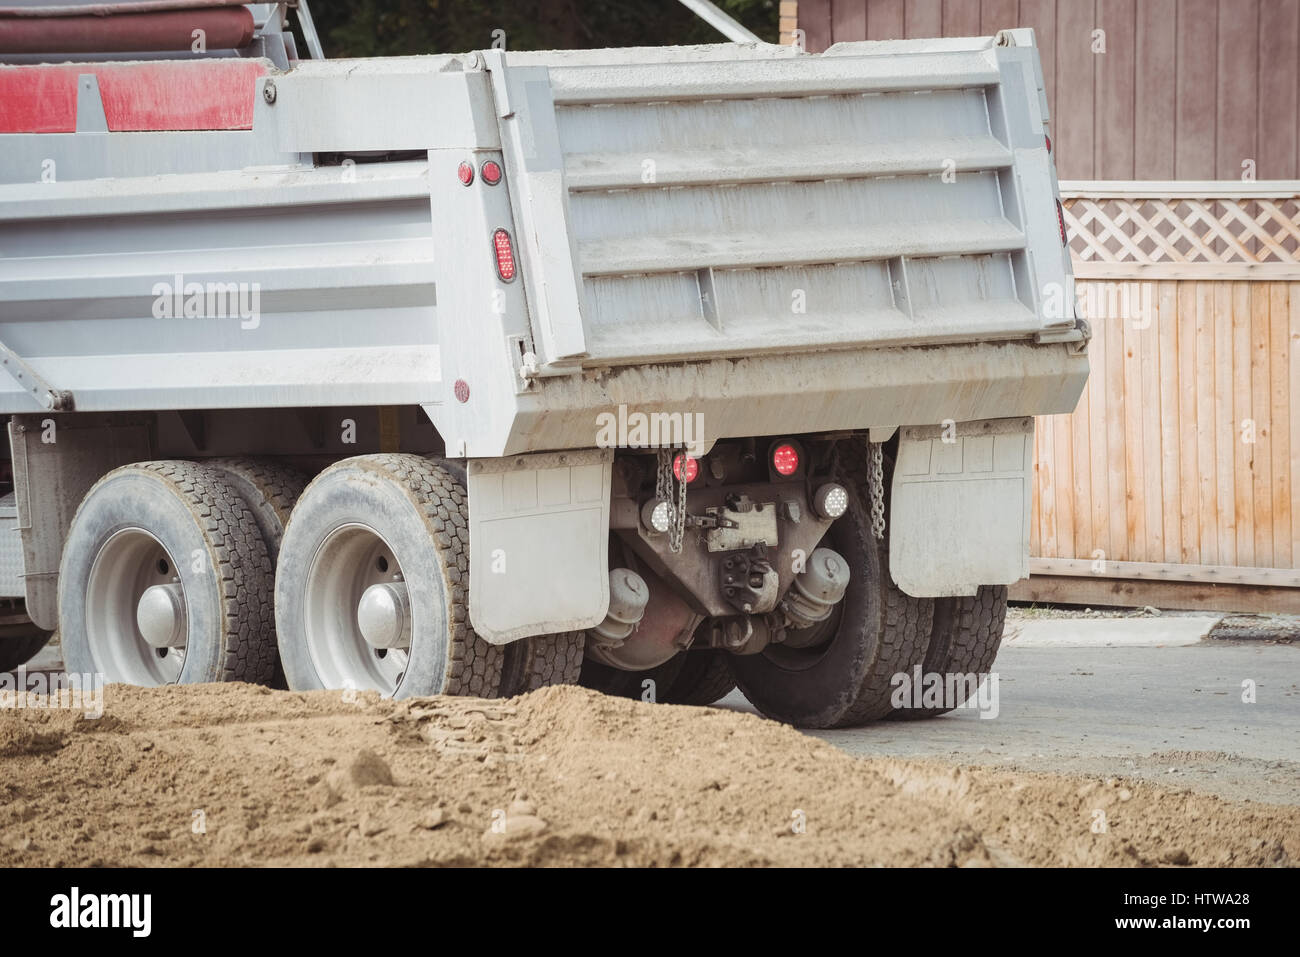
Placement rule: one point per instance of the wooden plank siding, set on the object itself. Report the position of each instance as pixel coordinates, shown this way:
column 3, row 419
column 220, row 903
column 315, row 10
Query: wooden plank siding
column 1186, row 89
column 1191, row 427
column 1180, row 467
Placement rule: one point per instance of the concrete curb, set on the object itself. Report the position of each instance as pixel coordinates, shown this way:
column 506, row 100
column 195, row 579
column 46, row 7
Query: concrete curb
column 1107, row 632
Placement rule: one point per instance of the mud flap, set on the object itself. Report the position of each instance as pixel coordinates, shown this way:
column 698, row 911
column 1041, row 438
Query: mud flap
column 539, row 543
column 959, row 515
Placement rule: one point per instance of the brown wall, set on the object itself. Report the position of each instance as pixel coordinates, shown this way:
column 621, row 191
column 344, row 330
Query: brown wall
column 1187, row 89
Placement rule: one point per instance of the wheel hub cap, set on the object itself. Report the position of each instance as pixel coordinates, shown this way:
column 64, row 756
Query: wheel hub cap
column 160, row 616
column 383, row 615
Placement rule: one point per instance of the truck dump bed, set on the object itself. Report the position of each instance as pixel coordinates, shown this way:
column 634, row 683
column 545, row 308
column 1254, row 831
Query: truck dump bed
column 746, row 231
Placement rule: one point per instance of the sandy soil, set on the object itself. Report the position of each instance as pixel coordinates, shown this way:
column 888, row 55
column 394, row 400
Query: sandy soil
column 235, row 774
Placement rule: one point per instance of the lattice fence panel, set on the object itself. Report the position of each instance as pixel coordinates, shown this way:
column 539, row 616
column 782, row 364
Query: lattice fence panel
column 1153, row 229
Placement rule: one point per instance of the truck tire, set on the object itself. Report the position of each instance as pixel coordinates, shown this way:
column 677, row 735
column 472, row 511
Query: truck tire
column 399, row 521
column 180, row 533
column 269, row 492
column 539, row 661
column 965, row 638
column 817, row 686
column 18, row 649
column 705, row 677
column 630, row 684
column 907, row 621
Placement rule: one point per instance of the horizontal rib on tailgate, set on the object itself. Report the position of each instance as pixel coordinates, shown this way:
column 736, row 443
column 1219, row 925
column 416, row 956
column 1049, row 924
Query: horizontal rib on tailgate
column 792, row 247
column 790, row 204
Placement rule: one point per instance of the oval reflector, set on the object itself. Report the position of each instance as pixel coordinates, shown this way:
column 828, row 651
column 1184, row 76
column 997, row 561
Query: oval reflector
column 505, row 255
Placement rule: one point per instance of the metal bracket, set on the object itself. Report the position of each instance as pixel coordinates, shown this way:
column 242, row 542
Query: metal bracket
column 56, row 400
column 1077, row 335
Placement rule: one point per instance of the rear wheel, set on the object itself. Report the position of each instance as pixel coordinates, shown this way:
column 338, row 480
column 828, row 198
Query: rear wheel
column 705, row 677
column 906, row 621
column 269, row 491
column 964, row 640
column 631, row 684
column 532, row 663
column 814, row 681
column 165, row 580
column 372, row 590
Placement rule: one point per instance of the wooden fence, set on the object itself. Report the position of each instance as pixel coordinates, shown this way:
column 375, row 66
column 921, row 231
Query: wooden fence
column 1174, row 482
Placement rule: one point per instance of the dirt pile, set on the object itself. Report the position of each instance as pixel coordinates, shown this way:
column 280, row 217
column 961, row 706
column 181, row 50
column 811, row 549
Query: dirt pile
column 234, row 774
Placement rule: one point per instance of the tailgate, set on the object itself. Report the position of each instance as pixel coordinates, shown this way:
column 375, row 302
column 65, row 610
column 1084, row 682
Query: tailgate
column 716, row 205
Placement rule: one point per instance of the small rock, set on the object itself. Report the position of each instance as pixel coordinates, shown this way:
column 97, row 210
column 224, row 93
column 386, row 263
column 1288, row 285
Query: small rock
column 433, row 819
column 366, row 769
column 1151, row 610
column 1177, row 856
column 369, row 827
column 1125, row 794
column 522, row 808
column 516, row 828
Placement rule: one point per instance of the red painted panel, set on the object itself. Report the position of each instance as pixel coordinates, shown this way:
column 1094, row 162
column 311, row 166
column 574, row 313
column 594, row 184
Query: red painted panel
column 162, row 95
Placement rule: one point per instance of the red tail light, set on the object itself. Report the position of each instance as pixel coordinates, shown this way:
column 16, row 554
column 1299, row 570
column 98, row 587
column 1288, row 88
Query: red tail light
column 505, row 255
column 1060, row 221
column 785, row 459
column 491, row 172
column 465, row 173
column 692, row 467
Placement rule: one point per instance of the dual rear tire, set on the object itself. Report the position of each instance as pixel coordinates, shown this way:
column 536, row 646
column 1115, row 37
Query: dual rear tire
column 165, row 579
column 372, row 590
column 228, row 570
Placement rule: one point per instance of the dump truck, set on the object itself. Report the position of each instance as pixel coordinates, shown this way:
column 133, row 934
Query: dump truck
column 664, row 370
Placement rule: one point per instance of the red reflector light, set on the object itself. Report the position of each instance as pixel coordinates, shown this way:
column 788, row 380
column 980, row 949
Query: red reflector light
column 1060, row 221
column 491, row 172
column 465, row 173
column 785, row 459
column 692, row 467
column 1049, row 142
column 505, row 255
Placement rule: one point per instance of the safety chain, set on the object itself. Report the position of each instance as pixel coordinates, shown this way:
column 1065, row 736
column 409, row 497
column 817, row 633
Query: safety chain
column 664, row 492
column 877, row 491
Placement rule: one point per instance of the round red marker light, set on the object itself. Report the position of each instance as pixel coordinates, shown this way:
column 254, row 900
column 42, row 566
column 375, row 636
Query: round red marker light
column 491, row 172
column 785, row 459
column 692, row 468
column 465, row 173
